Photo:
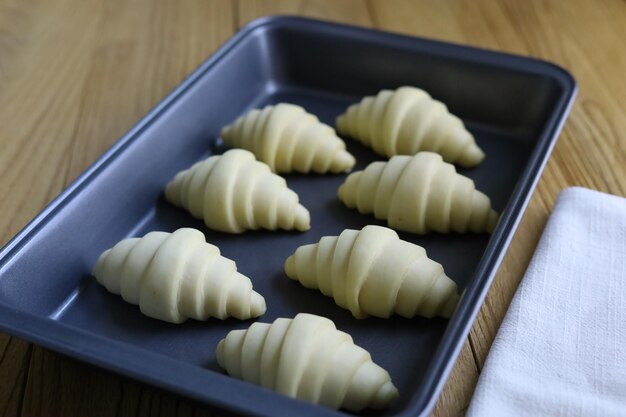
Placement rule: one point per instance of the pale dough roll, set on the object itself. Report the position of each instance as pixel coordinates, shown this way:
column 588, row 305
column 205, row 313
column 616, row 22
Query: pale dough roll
column 287, row 139
column 374, row 272
column 175, row 276
column 418, row 194
column 406, row 121
column 234, row 192
column 307, row 358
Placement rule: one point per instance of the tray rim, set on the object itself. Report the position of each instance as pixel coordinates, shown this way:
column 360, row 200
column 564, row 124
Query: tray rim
column 37, row 329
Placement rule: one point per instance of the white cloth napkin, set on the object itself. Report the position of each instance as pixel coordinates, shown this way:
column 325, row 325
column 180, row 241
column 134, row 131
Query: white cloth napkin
column 561, row 349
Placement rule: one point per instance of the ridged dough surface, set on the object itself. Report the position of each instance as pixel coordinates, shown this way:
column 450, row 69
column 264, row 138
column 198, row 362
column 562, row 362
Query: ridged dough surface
column 234, row 192
column 287, row 138
column 307, row 358
column 175, row 276
column 418, row 194
column 373, row 272
column 406, row 121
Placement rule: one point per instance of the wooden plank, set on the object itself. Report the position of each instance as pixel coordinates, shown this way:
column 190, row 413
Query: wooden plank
column 14, row 359
column 145, row 50
column 61, row 386
column 455, row 397
column 40, row 103
column 347, row 11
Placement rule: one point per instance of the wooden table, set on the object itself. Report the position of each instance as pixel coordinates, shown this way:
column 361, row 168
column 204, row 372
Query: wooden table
column 76, row 74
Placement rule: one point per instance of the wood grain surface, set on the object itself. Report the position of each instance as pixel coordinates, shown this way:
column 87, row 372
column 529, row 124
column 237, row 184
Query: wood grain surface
column 76, row 74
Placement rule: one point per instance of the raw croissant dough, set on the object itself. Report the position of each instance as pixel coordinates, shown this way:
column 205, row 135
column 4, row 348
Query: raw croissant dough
column 234, row 192
column 287, row 138
column 417, row 194
column 175, row 276
column 406, row 121
column 374, row 272
column 309, row 359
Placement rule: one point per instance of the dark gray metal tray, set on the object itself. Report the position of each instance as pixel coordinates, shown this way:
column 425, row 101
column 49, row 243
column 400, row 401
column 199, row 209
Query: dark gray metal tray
column 515, row 107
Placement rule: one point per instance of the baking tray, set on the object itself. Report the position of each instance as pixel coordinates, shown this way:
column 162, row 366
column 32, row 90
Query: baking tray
column 515, row 107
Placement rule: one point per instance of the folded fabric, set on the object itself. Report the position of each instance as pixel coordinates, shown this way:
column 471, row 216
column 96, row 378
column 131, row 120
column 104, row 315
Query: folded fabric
column 561, row 349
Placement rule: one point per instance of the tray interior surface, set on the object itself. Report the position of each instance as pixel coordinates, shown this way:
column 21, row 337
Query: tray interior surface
column 49, row 275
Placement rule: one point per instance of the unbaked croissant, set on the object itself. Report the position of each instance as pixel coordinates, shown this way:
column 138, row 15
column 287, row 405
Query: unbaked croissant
column 374, row 272
column 287, row 138
column 418, row 194
column 175, row 276
column 234, row 192
column 309, row 359
column 406, row 121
